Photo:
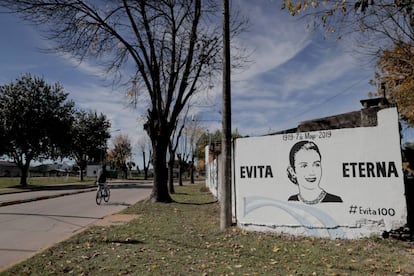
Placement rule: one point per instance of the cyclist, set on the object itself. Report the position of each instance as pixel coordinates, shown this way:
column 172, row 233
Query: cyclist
column 101, row 177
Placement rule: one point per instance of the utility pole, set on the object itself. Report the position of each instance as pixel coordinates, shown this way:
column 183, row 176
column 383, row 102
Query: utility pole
column 225, row 187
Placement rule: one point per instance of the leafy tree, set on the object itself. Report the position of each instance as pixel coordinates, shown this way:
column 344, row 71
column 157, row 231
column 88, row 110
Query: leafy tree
column 212, row 139
column 130, row 165
column 120, row 154
column 395, row 78
column 194, row 132
column 90, row 134
column 175, row 47
column 35, row 122
column 207, row 138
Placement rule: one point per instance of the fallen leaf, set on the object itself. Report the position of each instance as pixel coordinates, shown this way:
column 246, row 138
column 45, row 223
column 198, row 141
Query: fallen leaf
column 398, row 270
column 276, row 248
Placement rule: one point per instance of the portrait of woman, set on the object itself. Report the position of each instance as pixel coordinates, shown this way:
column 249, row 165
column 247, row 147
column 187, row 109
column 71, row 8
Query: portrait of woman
column 305, row 171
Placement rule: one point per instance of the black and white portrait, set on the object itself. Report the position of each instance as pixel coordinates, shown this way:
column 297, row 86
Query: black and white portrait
column 305, row 171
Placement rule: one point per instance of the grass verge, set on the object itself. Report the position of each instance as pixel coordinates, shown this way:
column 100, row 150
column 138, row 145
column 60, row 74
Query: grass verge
column 11, row 184
column 183, row 238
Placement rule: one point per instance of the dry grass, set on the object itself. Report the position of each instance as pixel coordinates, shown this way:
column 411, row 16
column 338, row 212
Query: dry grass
column 183, row 238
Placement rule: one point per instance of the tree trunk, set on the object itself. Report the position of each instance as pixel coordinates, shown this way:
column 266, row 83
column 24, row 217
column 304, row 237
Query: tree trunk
column 24, row 168
column 81, row 174
column 82, row 167
column 126, row 172
column 160, row 188
column 171, row 176
column 23, row 179
column 192, row 170
column 145, row 173
column 180, row 172
column 145, row 166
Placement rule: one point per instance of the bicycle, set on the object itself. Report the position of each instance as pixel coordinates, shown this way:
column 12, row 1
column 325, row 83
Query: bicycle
column 102, row 192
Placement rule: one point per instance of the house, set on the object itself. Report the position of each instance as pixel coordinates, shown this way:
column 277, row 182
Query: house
column 54, row 169
column 9, row 169
column 92, row 170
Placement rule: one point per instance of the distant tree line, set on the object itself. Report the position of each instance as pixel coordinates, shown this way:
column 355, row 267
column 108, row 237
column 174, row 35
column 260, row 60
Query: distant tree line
column 39, row 122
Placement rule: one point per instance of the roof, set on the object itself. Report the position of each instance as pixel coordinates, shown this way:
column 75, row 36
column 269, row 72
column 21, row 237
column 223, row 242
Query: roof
column 7, row 164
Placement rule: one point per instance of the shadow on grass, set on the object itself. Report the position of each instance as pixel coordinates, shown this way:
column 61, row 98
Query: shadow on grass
column 196, row 203
column 129, row 186
column 117, row 203
column 132, row 241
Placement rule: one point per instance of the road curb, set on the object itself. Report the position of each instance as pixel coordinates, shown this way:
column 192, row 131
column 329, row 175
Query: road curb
column 19, row 201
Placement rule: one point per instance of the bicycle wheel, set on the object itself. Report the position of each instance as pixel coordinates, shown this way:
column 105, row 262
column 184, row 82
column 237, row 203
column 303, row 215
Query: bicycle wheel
column 99, row 196
column 107, row 194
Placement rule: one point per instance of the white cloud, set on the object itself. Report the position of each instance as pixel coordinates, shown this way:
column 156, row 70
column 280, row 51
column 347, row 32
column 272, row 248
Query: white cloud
column 274, row 37
column 84, row 66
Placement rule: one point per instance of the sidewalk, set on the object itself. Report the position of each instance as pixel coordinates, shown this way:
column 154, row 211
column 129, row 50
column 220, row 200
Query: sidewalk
column 29, row 228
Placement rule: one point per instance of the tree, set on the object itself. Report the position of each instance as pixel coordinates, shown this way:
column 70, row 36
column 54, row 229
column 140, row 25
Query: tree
column 194, row 133
column 174, row 45
column 213, row 140
column 395, row 78
column 120, row 154
column 205, row 139
column 35, row 122
column 130, row 166
column 380, row 24
column 90, row 134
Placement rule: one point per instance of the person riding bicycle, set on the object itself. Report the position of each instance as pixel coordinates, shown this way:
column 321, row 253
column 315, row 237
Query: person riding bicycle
column 101, row 176
column 103, row 191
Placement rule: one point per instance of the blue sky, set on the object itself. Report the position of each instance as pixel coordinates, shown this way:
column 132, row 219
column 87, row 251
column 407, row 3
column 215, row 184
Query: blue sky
column 295, row 75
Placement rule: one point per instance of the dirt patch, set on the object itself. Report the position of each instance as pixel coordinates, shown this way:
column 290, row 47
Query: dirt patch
column 116, row 219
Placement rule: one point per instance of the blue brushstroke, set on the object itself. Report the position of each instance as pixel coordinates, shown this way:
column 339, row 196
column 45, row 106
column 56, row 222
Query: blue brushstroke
column 256, row 202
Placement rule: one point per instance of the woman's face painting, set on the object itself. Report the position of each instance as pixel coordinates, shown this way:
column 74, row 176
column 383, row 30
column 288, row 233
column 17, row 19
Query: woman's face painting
column 308, row 168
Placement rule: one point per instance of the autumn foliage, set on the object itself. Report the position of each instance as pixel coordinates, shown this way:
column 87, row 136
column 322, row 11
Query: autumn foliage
column 395, row 76
column 120, row 154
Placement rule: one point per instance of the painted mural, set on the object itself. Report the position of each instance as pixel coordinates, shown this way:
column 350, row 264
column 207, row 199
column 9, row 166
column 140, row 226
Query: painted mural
column 342, row 183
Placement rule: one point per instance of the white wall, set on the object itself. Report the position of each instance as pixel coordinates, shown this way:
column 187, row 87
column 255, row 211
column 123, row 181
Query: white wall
column 361, row 166
column 92, row 170
column 212, row 170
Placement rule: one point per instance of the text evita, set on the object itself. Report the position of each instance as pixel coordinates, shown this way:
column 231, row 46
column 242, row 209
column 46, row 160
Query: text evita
column 261, row 171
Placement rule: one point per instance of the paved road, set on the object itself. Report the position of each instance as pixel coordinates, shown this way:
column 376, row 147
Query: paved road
column 29, row 227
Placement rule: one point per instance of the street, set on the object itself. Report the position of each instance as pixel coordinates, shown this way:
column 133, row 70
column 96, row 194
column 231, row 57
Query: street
column 29, row 227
